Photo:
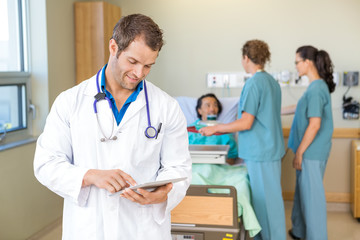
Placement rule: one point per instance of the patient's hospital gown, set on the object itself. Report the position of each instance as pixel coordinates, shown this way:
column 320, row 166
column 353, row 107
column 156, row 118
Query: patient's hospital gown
column 224, row 139
column 222, row 174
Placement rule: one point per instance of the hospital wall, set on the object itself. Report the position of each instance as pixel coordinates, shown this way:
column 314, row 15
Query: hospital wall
column 201, row 36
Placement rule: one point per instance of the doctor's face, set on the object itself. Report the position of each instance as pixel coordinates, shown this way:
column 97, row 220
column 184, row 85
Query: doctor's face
column 132, row 65
column 209, row 106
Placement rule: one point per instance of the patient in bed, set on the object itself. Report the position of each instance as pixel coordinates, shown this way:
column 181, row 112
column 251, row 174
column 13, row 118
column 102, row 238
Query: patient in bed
column 219, row 174
column 208, row 107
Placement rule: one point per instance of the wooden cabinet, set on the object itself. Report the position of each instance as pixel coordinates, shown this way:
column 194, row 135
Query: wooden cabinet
column 355, row 178
column 94, row 23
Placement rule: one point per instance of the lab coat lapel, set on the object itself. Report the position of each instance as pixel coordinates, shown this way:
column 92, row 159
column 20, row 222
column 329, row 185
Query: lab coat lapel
column 91, row 89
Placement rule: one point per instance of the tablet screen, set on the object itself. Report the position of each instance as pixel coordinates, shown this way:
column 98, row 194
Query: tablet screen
column 150, row 186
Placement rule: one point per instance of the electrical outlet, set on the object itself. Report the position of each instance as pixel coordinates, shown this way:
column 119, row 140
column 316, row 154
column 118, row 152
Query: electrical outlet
column 226, row 79
column 214, row 80
column 351, row 79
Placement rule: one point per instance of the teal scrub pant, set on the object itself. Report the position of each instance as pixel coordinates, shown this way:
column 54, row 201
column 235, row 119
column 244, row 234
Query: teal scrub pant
column 309, row 211
column 267, row 198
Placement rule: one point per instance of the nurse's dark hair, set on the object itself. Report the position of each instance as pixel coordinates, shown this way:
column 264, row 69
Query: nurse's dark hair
column 257, row 51
column 199, row 103
column 322, row 62
column 131, row 26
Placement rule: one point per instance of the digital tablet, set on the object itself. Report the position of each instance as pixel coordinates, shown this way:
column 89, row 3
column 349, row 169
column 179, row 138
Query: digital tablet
column 151, row 186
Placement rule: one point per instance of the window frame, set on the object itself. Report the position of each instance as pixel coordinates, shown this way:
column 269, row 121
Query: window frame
column 21, row 136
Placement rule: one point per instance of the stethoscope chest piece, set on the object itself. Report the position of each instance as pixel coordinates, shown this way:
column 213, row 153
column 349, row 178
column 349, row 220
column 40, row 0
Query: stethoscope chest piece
column 150, row 132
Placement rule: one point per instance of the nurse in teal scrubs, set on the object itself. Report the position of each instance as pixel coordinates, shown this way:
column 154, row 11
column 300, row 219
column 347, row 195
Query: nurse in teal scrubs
column 310, row 140
column 260, row 139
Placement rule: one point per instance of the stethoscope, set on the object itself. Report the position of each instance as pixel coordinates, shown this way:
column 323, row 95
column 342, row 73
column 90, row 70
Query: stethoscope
column 150, row 131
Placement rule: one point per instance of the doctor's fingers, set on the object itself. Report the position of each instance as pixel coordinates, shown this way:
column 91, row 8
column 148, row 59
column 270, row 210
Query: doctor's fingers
column 158, row 196
column 133, row 196
column 113, row 180
column 118, row 182
column 127, row 177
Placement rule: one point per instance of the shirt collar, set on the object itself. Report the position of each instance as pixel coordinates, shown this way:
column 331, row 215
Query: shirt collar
column 132, row 97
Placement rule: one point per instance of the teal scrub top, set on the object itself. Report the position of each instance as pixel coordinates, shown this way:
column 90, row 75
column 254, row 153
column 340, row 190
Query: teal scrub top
column 119, row 114
column 316, row 102
column 224, row 139
column 261, row 97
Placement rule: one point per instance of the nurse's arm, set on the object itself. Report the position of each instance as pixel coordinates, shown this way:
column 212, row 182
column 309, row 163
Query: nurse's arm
column 244, row 123
column 288, row 110
column 309, row 136
column 112, row 180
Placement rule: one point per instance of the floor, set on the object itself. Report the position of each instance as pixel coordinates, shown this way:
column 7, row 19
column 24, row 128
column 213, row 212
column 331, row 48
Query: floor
column 341, row 224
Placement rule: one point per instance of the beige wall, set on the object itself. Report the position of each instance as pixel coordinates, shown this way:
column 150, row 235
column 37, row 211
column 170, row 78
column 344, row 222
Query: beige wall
column 26, row 206
column 206, row 36
column 202, row 36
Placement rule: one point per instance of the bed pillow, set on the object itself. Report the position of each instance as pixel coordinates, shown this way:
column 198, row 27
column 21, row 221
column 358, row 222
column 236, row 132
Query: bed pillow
column 228, row 114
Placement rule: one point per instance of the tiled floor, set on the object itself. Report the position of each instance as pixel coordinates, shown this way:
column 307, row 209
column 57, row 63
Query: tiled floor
column 341, row 224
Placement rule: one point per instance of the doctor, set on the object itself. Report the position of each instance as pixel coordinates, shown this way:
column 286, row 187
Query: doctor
column 112, row 131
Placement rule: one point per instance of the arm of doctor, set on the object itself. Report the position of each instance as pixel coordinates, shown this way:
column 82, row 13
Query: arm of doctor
column 244, row 123
column 144, row 197
column 112, row 180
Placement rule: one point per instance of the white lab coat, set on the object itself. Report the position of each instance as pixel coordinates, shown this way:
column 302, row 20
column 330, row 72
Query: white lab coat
column 70, row 145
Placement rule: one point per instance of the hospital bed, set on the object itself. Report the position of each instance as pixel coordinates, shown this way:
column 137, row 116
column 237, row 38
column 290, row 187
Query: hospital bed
column 209, row 166
column 207, row 212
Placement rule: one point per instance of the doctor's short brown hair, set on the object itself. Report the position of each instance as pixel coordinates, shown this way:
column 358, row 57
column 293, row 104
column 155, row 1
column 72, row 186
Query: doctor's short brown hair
column 134, row 25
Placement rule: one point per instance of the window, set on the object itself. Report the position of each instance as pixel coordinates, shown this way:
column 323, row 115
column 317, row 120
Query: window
column 12, row 45
column 12, row 108
column 14, row 70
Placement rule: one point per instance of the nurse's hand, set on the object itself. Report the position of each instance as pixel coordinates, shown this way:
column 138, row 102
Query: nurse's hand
column 208, row 131
column 144, row 197
column 112, row 180
column 297, row 161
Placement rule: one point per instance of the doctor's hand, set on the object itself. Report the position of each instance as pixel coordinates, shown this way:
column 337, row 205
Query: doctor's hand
column 112, row 180
column 208, row 131
column 144, row 197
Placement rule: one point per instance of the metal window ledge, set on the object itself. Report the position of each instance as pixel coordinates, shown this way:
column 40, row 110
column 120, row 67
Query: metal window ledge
column 17, row 143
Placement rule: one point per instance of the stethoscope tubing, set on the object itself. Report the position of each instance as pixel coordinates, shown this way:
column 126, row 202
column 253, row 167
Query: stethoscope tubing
column 99, row 92
column 150, row 131
column 149, row 128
